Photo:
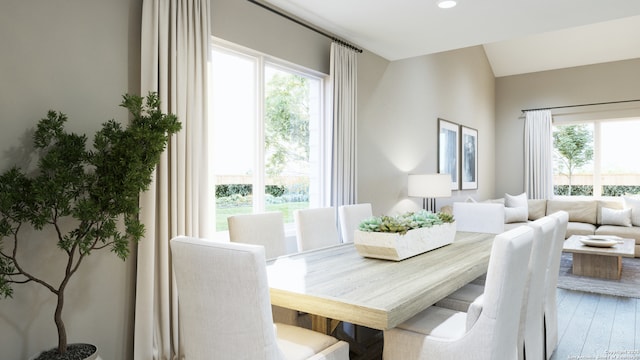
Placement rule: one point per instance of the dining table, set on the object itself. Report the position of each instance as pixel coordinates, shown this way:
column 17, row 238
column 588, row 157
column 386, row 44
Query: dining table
column 337, row 283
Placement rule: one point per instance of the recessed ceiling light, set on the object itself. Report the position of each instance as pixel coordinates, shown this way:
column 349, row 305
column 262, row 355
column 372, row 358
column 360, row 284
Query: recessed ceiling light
column 446, row 4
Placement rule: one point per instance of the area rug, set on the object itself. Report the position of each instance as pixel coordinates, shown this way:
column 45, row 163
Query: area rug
column 628, row 285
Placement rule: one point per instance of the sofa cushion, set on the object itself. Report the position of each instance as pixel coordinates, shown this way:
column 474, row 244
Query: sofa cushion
column 634, row 205
column 537, row 208
column 620, row 217
column 622, row 231
column 579, row 228
column 579, row 210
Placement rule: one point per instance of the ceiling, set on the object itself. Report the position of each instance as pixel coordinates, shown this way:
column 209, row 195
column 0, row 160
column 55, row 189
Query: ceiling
column 519, row 36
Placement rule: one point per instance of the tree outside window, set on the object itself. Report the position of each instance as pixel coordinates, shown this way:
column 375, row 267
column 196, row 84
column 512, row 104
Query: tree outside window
column 573, row 149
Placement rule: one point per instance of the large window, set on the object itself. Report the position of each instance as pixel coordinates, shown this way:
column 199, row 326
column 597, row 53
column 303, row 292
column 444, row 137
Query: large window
column 596, row 158
column 268, row 135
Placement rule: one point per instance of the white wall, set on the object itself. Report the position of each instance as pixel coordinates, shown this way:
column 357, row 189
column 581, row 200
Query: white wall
column 613, row 81
column 78, row 57
column 399, row 104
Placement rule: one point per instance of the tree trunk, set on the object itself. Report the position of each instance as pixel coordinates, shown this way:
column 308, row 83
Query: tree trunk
column 62, row 332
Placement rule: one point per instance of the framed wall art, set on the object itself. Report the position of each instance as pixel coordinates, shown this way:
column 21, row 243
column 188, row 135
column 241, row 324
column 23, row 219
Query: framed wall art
column 448, row 150
column 469, row 153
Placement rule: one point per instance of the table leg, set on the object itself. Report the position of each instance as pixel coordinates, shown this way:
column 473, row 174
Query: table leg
column 601, row 266
column 323, row 325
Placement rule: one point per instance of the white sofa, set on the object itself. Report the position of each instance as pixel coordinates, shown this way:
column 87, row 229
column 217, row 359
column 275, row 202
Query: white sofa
column 589, row 217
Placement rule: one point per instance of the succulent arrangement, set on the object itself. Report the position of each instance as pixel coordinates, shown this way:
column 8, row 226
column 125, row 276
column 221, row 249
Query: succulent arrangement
column 404, row 222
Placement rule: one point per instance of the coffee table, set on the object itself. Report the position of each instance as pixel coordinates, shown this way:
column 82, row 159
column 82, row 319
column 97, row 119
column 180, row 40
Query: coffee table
column 601, row 262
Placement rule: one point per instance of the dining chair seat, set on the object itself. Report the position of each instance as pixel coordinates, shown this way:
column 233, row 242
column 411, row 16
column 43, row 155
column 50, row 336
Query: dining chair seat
column 224, row 307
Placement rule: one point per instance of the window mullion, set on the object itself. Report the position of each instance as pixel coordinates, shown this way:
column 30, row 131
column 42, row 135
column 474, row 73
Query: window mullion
column 597, row 178
column 259, row 178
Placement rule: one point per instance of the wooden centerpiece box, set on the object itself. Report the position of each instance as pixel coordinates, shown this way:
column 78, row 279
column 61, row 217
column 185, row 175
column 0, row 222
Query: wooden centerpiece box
column 372, row 242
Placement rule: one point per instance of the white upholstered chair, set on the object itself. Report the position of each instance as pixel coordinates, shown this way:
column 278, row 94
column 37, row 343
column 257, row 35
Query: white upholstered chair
column 489, row 330
column 350, row 217
column 479, row 217
column 266, row 229
column 316, row 228
column 223, row 304
column 551, row 282
column 531, row 343
column 473, row 217
column 531, row 332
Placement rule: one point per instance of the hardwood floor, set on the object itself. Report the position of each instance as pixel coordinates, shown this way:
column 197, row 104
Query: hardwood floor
column 592, row 326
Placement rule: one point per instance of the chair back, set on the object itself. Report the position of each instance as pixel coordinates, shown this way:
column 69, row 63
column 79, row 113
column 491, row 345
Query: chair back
column 551, row 282
column 479, row 217
column 350, row 217
column 223, row 300
column 504, row 289
column 316, row 228
column 266, row 229
column 532, row 315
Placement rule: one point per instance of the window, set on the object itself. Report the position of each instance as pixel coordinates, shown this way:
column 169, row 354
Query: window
column 268, row 135
column 595, row 158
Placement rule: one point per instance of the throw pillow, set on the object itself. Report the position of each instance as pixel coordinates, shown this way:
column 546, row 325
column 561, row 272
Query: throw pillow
column 516, row 208
column 634, row 205
column 515, row 214
column 616, row 217
column 515, row 200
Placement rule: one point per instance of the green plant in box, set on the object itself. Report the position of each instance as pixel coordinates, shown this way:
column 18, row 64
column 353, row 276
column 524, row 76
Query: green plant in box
column 88, row 196
column 405, row 222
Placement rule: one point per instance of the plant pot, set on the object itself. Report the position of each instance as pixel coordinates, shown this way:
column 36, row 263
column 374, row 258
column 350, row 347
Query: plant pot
column 74, row 351
column 394, row 246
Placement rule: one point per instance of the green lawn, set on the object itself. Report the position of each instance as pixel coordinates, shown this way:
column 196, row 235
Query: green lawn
column 286, row 208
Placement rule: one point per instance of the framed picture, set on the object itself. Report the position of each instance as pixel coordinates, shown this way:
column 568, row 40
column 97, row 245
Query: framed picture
column 448, row 150
column 469, row 163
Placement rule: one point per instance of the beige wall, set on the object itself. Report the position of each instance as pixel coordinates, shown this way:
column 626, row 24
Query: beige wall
column 399, row 104
column 613, row 81
column 78, row 57
column 249, row 25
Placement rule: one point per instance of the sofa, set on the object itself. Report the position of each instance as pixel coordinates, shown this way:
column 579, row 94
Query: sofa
column 618, row 216
column 606, row 216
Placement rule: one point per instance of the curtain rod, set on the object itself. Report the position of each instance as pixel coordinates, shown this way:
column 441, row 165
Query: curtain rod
column 341, row 42
column 579, row 105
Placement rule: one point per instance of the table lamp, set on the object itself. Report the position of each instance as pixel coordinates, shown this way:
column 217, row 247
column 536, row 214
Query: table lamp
column 429, row 187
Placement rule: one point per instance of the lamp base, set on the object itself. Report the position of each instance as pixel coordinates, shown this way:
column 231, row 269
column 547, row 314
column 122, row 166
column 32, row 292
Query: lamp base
column 429, row 204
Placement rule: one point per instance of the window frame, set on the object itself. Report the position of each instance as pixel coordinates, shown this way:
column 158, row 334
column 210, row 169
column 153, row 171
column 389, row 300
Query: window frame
column 261, row 61
column 597, row 146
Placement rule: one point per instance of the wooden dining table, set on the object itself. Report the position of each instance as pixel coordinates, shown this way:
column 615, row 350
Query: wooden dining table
column 338, row 283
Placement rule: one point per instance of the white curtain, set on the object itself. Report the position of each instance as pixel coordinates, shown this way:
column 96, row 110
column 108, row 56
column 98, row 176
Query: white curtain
column 538, row 154
column 343, row 162
column 174, row 45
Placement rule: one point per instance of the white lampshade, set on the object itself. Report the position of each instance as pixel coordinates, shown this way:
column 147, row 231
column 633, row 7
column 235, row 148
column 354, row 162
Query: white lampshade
column 429, row 185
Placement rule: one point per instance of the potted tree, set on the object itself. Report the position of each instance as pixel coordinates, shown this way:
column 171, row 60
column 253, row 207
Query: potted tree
column 89, row 196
